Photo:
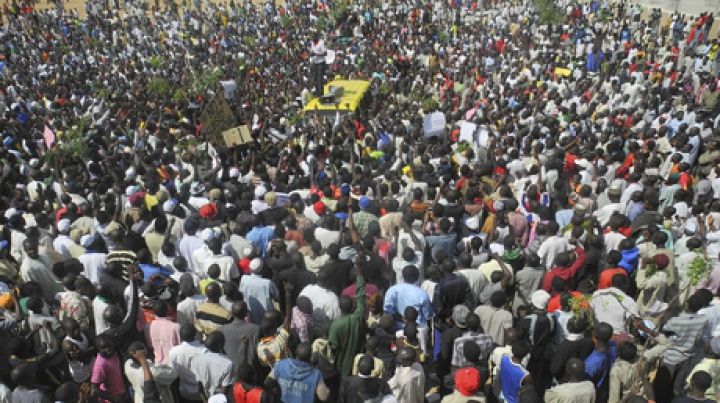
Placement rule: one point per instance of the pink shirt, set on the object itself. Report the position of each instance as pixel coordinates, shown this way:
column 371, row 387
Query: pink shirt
column 108, row 374
column 162, row 334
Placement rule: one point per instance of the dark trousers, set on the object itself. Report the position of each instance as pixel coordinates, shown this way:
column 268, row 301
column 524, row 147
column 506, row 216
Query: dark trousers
column 318, row 76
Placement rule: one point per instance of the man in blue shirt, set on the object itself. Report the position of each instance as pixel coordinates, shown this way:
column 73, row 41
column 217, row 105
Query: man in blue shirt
column 299, row 381
column 445, row 241
column 407, row 294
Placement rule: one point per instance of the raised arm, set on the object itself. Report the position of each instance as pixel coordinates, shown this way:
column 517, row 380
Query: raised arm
column 288, row 306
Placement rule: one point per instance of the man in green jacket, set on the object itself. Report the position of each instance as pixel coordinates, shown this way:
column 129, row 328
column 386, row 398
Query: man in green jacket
column 346, row 333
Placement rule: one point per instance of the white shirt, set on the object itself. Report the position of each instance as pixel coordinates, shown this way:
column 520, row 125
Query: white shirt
column 612, row 240
column 99, row 306
column 93, row 266
column 608, row 308
column 317, row 50
column 325, row 303
column 603, row 214
column 228, row 268
column 62, row 245
column 163, row 376
column 182, row 358
column 552, row 247
column 213, row 370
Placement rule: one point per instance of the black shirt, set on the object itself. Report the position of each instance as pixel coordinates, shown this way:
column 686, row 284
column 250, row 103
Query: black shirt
column 341, row 274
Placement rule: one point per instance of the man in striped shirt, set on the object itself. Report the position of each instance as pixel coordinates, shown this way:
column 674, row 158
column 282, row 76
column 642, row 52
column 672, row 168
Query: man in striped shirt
column 687, row 329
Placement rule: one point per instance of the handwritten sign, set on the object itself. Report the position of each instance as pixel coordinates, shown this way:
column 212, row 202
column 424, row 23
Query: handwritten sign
column 217, row 118
column 237, row 135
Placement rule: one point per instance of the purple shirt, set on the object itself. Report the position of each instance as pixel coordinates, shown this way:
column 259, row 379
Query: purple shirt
column 108, row 374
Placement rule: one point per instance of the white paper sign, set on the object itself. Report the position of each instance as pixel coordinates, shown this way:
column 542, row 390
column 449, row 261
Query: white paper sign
column 434, row 124
column 467, row 132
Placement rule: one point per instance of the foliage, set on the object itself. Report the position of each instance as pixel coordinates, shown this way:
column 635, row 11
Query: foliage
column 206, row 80
column 71, row 144
column 321, row 24
column 160, row 86
column 179, row 95
column 444, row 37
column 580, row 307
column 651, row 269
column 700, row 268
column 430, row 104
column 384, row 88
column 549, row 13
column 157, row 62
column 285, row 21
column 249, row 41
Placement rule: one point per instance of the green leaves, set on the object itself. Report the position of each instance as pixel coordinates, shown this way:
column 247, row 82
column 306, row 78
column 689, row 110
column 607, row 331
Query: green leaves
column 700, row 268
column 549, row 13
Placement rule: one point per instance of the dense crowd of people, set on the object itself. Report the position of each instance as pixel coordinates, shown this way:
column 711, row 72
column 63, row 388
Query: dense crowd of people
column 565, row 248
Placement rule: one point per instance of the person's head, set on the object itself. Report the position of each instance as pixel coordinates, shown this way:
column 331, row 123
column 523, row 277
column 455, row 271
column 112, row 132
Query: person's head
column 239, row 310
column 575, row 370
column 520, row 349
column 627, row 352
column 246, row 373
column 188, row 333
column 700, row 382
column 558, row 284
column 366, row 365
column 161, row 308
column 411, row 274
column 406, row 356
column 24, row 375
column 603, row 332
column 135, row 347
column 105, row 346
column 511, row 336
column 303, row 352
column 305, row 305
column 213, row 271
column 620, row 281
column 346, row 304
column 30, row 246
column 113, row 315
column 215, row 341
column 471, row 351
column 498, row 299
column 695, row 303
column 187, row 285
column 68, row 392
column 213, row 292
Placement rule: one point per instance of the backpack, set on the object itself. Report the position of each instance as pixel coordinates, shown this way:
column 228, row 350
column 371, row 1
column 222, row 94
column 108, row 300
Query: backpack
column 242, row 395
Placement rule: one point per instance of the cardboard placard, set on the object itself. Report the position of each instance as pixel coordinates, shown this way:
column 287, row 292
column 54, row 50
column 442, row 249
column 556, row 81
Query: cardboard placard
column 237, row 136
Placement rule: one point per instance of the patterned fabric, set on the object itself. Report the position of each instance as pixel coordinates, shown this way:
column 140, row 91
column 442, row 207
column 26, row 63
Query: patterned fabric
column 362, row 220
column 73, row 305
column 272, row 349
column 483, row 340
column 210, row 316
column 300, row 324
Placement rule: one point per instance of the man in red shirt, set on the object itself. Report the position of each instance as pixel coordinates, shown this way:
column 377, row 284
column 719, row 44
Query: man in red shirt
column 564, row 270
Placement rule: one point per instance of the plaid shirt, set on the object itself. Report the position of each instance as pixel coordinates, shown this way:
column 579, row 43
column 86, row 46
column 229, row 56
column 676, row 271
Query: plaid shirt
column 300, row 324
column 362, row 220
column 483, row 340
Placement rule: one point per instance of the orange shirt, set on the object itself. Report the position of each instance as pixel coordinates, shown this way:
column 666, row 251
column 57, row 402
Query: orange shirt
column 606, row 276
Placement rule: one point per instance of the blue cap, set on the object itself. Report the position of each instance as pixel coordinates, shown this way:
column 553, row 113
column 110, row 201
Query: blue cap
column 364, row 202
